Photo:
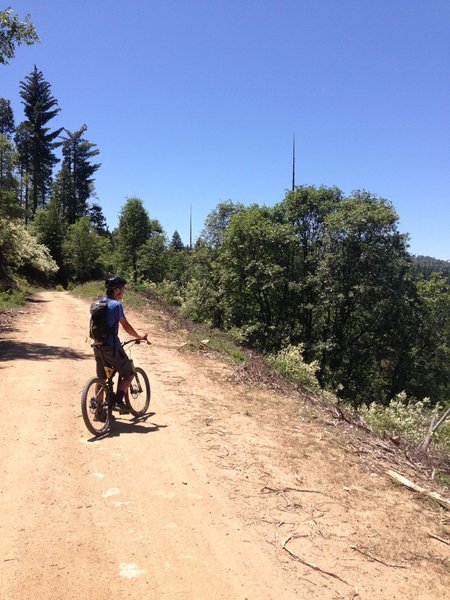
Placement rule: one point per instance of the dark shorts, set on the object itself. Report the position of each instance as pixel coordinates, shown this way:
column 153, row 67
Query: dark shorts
column 113, row 356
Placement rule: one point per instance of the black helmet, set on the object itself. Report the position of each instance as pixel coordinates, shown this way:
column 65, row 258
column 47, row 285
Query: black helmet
column 115, row 282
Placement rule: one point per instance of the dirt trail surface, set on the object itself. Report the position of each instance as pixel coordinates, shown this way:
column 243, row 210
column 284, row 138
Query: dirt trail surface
column 221, row 491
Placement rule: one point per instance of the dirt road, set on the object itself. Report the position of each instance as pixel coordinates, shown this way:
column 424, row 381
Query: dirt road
column 222, row 491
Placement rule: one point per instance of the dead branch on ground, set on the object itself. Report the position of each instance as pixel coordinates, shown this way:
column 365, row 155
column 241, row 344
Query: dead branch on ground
column 436, row 537
column 266, row 489
column 377, row 559
column 311, row 565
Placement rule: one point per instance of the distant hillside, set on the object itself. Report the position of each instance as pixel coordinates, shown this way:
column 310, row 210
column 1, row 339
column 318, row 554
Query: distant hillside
column 426, row 265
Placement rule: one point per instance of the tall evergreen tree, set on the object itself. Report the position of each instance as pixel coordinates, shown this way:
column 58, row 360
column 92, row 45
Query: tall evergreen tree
column 9, row 205
column 8, row 184
column 77, row 153
column 40, row 107
column 6, row 118
column 97, row 218
column 177, row 242
column 24, row 143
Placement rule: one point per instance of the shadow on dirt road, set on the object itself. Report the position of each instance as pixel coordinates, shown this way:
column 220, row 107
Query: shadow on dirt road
column 12, row 349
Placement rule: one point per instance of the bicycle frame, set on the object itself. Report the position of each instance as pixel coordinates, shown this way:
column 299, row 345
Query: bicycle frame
column 110, row 372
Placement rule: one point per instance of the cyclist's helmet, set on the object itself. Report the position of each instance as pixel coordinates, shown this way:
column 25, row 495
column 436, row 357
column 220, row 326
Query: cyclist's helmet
column 114, row 282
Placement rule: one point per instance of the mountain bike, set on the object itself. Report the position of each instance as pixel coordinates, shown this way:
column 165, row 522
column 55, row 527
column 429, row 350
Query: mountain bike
column 97, row 397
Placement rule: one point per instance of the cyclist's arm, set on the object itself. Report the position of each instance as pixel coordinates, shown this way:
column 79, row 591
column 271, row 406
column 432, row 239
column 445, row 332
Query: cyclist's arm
column 131, row 331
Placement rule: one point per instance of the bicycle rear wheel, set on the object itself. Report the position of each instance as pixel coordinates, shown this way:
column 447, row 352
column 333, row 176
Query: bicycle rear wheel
column 138, row 394
column 94, row 406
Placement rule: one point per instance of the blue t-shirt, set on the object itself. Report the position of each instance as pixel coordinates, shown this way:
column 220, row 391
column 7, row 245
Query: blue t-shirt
column 115, row 314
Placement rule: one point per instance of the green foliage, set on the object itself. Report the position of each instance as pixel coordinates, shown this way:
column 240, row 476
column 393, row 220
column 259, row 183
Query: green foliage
column 206, row 339
column 26, row 171
column 135, row 228
column 88, row 289
column 253, row 267
column 83, row 251
column 430, row 354
column 6, row 119
column 177, row 265
column 97, row 218
column 50, row 228
column 217, row 222
column 20, row 252
column 14, row 32
column 152, row 262
column 166, row 291
column 201, row 302
column 202, row 294
column 39, row 107
column 75, row 184
column 9, row 204
column 289, row 363
column 329, row 272
column 407, row 418
column 367, row 300
column 14, row 297
column 176, row 243
column 427, row 265
column 442, row 478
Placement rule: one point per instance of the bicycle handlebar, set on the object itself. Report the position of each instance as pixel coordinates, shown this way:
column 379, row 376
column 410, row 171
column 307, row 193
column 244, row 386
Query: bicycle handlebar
column 135, row 341
column 123, row 344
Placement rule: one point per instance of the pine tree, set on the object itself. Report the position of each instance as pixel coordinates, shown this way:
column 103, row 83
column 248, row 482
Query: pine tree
column 23, row 140
column 6, row 118
column 176, row 243
column 9, row 205
column 97, row 218
column 40, row 108
column 77, row 153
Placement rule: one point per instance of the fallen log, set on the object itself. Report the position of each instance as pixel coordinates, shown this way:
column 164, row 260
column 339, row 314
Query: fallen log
column 444, row 502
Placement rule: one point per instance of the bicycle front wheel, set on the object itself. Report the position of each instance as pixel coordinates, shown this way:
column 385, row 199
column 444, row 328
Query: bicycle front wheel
column 138, row 394
column 94, row 406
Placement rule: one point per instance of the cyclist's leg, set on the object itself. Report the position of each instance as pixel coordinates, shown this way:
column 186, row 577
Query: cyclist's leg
column 100, row 372
column 122, row 364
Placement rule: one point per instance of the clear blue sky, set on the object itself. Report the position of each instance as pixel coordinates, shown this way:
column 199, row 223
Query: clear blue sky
column 192, row 102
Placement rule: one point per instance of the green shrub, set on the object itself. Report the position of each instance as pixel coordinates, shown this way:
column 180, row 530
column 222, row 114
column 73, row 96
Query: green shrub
column 407, row 418
column 167, row 291
column 201, row 302
column 91, row 289
column 289, row 363
column 14, row 298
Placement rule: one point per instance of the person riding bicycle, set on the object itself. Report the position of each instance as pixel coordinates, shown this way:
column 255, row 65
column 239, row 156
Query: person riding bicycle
column 111, row 351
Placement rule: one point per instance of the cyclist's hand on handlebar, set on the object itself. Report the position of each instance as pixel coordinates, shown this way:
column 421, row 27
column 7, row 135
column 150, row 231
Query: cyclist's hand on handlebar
column 144, row 337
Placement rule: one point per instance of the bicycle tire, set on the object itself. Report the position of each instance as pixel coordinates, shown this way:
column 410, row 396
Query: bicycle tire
column 94, row 407
column 138, row 394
